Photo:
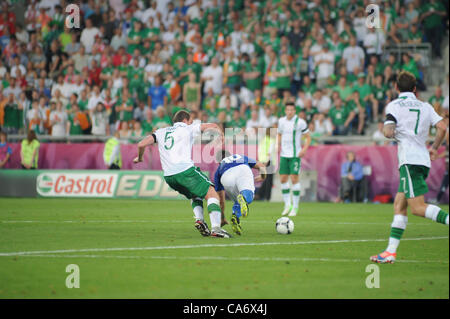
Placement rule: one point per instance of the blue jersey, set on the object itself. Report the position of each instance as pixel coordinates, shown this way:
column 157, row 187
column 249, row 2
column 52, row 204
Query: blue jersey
column 229, row 162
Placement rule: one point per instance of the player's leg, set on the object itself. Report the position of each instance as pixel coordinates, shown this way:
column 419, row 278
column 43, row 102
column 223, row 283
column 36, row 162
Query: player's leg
column 229, row 182
column 192, row 183
column 236, row 219
column 246, row 187
column 398, row 226
column 197, row 207
column 212, row 199
column 284, row 181
column 286, row 193
column 200, row 224
column 295, row 170
column 422, row 209
column 417, row 187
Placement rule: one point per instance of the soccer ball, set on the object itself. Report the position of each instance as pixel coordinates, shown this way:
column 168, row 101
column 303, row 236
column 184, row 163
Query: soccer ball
column 284, row 226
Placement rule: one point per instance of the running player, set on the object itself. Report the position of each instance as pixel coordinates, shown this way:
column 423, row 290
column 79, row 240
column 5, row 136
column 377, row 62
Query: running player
column 235, row 178
column 175, row 151
column 408, row 121
column 291, row 128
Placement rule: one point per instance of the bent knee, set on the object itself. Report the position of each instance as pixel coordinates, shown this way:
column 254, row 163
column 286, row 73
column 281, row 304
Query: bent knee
column 419, row 210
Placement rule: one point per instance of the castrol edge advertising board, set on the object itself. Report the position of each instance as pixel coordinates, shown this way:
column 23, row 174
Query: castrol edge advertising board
column 67, row 184
column 125, row 184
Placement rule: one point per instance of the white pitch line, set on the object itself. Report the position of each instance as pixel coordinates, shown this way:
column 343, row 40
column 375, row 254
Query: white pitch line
column 63, row 251
column 178, row 221
column 223, row 258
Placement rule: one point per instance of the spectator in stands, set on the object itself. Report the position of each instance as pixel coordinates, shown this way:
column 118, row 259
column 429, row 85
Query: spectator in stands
column 5, row 150
column 137, row 132
column 100, row 120
column 410, row 65
column 58, row 121
column 431, row 17
column 324, row 61
column 228, row 95
column 341, row 117
column 353, row 56
column 266, row 118
column 77, row 121
column 212, row 76
column 373, row 43
column 95, row 98
column 125, row 107
column 414, row 36
column 88, row 35
column 270, row 48
column 12, row 114
column 322, row 125
column 29, row 153
column 253, row 123
column 321, row 102
column 192, row 93
column 351, row 177
column 437, row 100
column 161, row 119
column 157, row 95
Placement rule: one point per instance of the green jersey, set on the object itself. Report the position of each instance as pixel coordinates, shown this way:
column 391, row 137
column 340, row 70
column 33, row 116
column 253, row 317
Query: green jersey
column 338, row 116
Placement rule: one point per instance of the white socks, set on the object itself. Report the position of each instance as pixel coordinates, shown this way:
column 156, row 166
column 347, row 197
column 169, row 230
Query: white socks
column 198, row 213
column 285, row 191
column 214, row 212
column 397, row 228
column 295, row 195
column 432, row 212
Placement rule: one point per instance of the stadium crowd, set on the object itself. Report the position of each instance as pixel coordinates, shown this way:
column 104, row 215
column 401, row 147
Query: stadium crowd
column 133, row 63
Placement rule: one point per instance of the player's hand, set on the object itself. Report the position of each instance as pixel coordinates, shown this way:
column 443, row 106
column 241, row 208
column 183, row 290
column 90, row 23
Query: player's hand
column 302, row 153
column 259, row 178
column 137, row 160
column 433, row 154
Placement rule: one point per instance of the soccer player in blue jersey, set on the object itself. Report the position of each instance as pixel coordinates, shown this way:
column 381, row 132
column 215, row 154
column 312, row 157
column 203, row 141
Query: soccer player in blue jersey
column 234, row 177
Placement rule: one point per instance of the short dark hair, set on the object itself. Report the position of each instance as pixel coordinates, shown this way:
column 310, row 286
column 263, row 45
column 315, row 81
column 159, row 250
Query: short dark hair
column 180, row 116
column 290, row 104
column 406, row 82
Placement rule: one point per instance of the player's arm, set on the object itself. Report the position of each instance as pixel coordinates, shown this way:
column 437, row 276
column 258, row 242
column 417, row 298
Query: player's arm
column 149, row 140
column 212, row 126
column 443, row 154
column 279, row 141
column 389, row 125
column 262, row 171
column 441, row 130
column 306, row 145
column 209, row 126
column 222, row 202
column 389, row 130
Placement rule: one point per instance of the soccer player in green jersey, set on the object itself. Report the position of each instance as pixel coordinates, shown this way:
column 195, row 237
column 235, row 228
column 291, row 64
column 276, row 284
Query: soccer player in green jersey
column 408, row 121
column 290, row 131
column 175, row 151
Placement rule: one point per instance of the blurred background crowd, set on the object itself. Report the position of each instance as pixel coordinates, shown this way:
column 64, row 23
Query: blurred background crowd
column 132, row 64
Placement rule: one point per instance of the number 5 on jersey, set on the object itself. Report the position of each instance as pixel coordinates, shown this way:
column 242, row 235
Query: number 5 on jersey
column 168, row 141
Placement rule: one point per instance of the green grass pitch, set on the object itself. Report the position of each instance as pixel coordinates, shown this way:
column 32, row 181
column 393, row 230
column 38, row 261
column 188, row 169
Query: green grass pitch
column 150, row 249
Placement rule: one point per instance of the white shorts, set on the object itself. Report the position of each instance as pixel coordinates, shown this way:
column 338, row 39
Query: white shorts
column 236, row 179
